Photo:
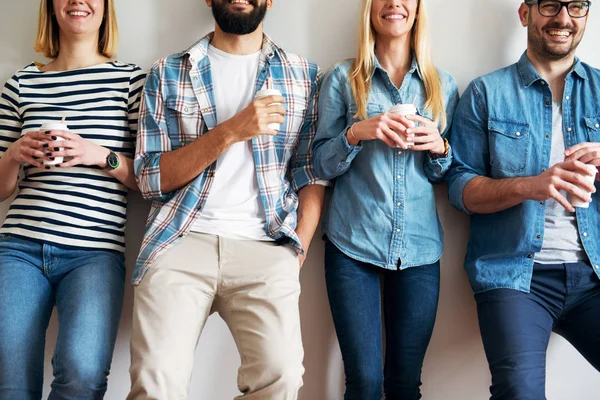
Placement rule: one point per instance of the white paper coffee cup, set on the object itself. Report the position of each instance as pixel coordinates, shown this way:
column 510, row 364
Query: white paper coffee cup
column 265, row 93
column 405, row 109
column 54, row 126
column 576, row 201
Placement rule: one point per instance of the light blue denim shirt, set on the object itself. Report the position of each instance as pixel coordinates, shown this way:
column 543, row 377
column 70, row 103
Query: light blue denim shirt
column 382, row 210
column 503, row 129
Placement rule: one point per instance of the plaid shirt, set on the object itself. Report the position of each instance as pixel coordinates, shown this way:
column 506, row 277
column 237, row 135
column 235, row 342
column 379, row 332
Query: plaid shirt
column 178, row 106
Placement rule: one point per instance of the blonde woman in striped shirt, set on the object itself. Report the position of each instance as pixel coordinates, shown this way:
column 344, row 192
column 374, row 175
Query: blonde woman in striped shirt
column 62, row 241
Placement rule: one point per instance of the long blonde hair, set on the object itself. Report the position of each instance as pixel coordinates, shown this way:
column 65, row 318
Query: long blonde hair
column 48, row 43
column 364, row 64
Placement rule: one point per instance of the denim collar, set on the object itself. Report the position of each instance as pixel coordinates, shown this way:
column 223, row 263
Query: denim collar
column 529, row 75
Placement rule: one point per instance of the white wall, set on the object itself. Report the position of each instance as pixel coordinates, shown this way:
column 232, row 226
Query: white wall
column 470, row 37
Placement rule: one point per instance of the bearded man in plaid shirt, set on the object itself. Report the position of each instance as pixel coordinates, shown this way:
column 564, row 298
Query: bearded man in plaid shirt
column 235, row 204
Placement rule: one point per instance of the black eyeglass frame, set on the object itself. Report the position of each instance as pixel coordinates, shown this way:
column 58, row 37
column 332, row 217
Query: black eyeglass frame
column 564, row 4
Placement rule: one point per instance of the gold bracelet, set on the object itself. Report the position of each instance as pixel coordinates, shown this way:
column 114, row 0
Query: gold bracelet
column 352, row 133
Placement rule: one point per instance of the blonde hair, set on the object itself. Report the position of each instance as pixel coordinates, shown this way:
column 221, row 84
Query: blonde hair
column 48, row 43
column 364, row 65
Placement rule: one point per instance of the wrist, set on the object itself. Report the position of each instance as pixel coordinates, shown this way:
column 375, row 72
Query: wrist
column 351, row 137
column 442, row 150
column 103, row 153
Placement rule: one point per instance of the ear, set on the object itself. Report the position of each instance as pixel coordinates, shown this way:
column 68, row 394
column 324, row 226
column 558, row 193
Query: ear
column 524, row 11
column 209, row 3
column 269, row 4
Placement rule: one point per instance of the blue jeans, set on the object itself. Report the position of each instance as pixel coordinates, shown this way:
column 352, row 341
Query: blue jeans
column 87, row 288
column 516, row 326
column 410, row 300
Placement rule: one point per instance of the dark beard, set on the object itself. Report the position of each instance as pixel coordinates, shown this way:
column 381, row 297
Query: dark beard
column 240, row 23
column 541, row 47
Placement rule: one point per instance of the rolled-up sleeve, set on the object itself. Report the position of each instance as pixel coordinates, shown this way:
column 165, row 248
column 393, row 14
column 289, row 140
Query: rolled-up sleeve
column 302, row 169
column 152, row 139
column 436, row 168
column 470, row 145
column 333, row 154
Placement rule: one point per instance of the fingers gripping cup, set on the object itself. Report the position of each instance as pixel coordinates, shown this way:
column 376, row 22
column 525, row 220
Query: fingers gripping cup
column 404, row 109
column 576, row 201
column 265, row 93
column 54, row 126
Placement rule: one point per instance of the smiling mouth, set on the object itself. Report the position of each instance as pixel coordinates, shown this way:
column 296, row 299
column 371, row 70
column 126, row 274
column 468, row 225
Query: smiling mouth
column 78, row 13
column 238, row 2
column 558, row 33
column 394, row 17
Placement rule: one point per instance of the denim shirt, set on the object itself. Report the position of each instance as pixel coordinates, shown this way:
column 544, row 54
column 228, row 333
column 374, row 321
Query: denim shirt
column 382, row 210
column 503, row 129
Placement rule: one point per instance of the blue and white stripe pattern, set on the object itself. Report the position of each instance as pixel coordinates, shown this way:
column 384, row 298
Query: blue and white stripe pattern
column 81, row 207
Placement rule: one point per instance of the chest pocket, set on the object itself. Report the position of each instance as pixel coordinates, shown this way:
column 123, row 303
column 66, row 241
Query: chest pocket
column 593, row 128
column 373, row 109
column 184, row 121
column 296, row 105
column 509, row 145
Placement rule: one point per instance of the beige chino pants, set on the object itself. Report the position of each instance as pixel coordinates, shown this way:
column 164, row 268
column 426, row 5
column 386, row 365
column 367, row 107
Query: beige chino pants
column 255, row 288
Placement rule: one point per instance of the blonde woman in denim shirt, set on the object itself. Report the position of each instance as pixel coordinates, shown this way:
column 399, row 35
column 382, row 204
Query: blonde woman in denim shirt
column 383, row 237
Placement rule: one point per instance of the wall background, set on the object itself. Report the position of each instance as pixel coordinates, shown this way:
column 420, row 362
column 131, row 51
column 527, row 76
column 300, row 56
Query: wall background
column 470, row 38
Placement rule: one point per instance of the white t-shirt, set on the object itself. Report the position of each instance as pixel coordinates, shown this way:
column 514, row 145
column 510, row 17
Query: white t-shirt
column 234, row 207
column 561, row 238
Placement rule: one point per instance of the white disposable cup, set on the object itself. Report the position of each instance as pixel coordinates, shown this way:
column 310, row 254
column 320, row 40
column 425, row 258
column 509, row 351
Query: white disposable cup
column 405, row 109
column 54, row 126
column 576, row 201
column 265, row 93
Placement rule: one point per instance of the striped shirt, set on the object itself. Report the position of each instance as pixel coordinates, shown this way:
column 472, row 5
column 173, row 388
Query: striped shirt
column 79, row 207
column 178, row 106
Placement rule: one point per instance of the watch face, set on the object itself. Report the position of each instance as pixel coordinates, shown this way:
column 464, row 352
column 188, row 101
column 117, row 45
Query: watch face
column 112, row 160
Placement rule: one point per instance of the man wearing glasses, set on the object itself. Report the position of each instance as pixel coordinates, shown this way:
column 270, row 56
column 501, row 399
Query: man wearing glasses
column 526, row 152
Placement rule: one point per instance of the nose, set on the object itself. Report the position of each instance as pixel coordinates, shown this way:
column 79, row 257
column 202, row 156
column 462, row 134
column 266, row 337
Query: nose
column 563, row 16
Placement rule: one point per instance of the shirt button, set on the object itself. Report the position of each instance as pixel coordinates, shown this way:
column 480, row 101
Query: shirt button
column 206, row 110
column 397, row 230
column 399, row 177
column 584, row 233
column 597, row 266
column 541, row 203
column 539, row 236
column 186, row 109
column 398, row 204
column 518, row 133
column 597, row 125
column 569, row 129
column 548, row 103
column 195, row 78
column 543, row 83
column 567, row 98
column 547, row 136
column 543, row 169
column 529, row 255
column 399, row 152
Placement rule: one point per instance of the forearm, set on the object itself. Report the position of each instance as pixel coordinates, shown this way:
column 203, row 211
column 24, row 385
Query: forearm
column 181, row 166
column 309, row 212
column 9, row 170
column 484, row 195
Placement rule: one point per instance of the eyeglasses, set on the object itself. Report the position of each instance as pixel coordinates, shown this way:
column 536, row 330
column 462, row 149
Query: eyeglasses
column 551, row 8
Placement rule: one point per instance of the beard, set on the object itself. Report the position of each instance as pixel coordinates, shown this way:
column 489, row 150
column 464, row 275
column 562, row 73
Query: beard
column 238, row 23
column 553, row 51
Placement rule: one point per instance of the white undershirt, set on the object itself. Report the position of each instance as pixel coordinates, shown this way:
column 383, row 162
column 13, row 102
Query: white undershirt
column 233, row 208
column 561, row 238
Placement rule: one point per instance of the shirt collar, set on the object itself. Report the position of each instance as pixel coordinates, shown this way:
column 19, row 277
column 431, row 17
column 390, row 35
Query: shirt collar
column 199, row 50
column 529, row 75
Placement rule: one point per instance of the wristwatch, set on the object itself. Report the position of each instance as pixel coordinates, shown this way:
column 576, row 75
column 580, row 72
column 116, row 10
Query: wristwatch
column 446, row 150
column 112, row 161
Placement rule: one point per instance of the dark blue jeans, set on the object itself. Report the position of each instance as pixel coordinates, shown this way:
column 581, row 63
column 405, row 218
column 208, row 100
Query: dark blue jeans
column 356, row 291
column 516, row 326
column 87, row 289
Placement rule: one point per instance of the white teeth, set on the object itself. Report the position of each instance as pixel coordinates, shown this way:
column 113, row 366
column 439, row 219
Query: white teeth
column 78, row 14
column 559, row 33
column 395, row 16
column 240, row 2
